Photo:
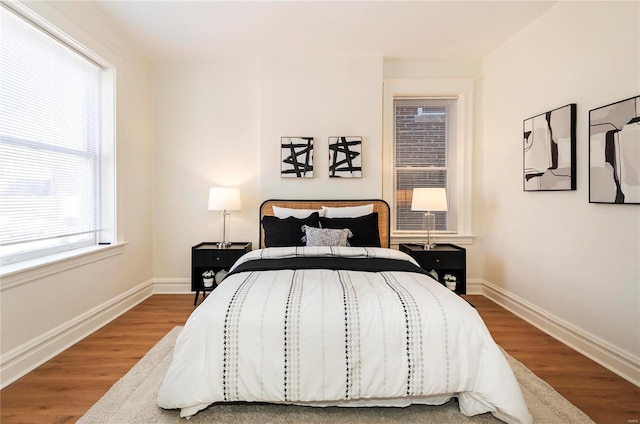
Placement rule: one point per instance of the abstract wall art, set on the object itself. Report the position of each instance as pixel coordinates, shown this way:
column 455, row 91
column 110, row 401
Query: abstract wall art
column 550, row 150
column 296, row 157
column 614, row 153
column 345, row 157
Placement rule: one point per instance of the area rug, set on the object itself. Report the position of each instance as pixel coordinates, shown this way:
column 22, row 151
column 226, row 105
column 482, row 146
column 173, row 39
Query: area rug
column 133, row 400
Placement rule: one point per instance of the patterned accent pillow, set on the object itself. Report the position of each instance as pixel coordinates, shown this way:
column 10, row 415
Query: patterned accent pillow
column 326, row 236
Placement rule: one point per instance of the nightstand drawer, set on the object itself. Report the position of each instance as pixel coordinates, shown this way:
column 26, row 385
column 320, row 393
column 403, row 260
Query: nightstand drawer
column 215, row 258
column 438, row 260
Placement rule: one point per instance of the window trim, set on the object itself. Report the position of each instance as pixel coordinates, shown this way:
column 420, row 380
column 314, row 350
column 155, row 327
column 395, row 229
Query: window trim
column 437, row 88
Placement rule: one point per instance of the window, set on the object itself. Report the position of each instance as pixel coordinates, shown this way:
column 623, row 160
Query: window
column 55, row 149
column 427, row 143
column 424, row 147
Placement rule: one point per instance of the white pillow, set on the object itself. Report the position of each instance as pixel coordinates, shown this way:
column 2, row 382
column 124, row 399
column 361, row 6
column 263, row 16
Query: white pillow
column 282, row 213
column 347, row 212
column 326, row 236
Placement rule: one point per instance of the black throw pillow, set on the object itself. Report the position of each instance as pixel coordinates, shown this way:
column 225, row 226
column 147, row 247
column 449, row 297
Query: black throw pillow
column 364, row 228
column 280, row 232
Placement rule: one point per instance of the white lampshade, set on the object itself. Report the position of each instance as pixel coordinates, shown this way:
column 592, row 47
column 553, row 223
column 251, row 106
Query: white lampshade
column 224, row 199
column 429, row 199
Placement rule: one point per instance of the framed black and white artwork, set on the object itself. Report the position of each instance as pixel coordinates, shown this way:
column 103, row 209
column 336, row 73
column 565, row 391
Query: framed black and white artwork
column 296, row 157
column 614, row 153
column 345, row 157
column 550, row 150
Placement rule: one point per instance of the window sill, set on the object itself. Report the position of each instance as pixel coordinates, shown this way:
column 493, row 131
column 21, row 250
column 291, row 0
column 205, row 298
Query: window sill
column 20, row 273
column 457, row 239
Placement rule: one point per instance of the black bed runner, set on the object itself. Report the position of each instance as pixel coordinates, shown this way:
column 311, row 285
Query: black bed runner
column 332, row 263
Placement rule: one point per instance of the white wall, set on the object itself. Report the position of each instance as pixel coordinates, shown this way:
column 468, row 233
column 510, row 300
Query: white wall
column 253, row 103
column 44, row 310
column 220, row 123
column 321, row 97
column 206, row 133
column 574, row 262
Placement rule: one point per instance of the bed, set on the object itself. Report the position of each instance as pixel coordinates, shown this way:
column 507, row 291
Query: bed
column 312, row 319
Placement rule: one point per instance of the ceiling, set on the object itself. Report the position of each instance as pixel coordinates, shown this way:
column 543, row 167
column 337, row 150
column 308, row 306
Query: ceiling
column 201, row 30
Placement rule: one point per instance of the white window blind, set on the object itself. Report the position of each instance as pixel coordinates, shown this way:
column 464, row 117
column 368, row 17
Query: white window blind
column 424, row 144
column 50, row 141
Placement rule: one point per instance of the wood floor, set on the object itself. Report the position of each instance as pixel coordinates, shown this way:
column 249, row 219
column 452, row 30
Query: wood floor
column 64, row 388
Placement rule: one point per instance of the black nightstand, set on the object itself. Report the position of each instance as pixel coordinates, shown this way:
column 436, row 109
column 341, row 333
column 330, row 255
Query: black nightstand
column 444, row 258
column 207, row 256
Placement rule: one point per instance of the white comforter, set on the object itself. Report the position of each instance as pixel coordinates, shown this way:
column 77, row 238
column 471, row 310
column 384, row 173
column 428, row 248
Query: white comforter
column 350, row 338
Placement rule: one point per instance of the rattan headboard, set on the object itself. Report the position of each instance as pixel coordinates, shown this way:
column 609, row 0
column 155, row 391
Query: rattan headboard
column 379, row 206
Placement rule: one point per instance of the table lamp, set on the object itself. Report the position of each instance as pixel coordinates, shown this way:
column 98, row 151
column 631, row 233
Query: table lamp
column 429, row 200
column 224, row 199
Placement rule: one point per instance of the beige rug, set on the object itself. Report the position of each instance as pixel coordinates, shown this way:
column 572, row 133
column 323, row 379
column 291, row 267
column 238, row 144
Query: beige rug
column 133, row 400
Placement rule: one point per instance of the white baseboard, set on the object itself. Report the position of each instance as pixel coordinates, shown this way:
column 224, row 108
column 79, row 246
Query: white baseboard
column 622, row 363
column 28, row 356
column 474, row 285
column 171, row 285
